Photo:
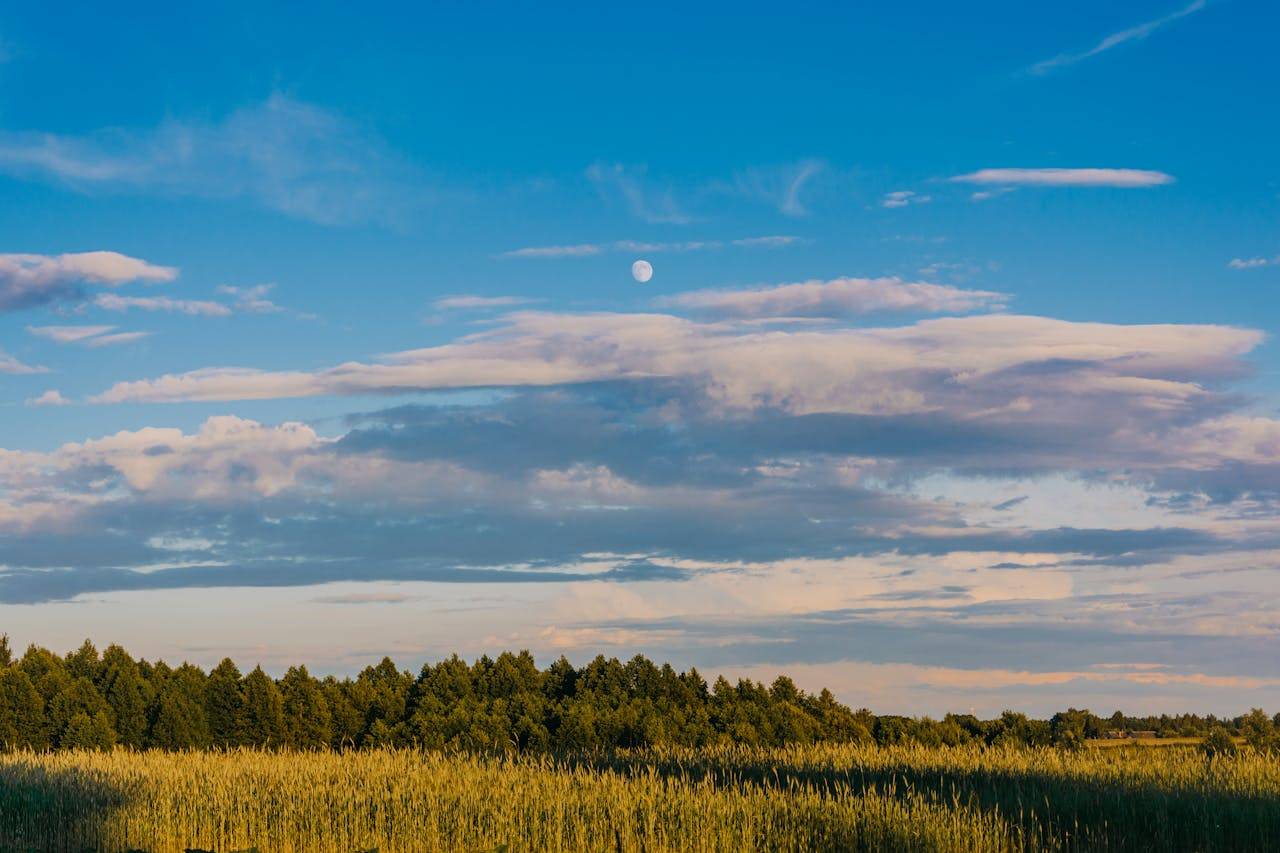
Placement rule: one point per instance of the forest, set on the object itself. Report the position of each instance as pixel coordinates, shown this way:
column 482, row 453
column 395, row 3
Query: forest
column 91, row 700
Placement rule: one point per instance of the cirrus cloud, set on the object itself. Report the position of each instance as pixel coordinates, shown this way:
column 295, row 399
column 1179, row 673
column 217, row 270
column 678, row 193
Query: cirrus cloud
column 1123, row 178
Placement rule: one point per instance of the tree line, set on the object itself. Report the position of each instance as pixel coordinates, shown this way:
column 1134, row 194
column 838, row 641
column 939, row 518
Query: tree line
column 91, row 700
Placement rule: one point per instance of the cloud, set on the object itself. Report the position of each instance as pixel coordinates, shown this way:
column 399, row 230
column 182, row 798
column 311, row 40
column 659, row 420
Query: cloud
column 1253, row 263
column 987, row 364
column 465, row 302
column 771, row 242
column 288, row 156
column 581, row 250
column 13, row 367
column 842, row 297
column 1139, row 32
column 904, row 198
column 27, row 280
column 251, row 300
column 193, row 307
column 89, row 336
column 1126, row 178
column 364, row 598
column 631, row 185
column 68, row 334
column 52, row 397
column 783, row 186
column 985, row 195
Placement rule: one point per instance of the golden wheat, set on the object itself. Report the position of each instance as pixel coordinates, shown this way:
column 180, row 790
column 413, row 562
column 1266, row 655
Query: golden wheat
column 803, row 798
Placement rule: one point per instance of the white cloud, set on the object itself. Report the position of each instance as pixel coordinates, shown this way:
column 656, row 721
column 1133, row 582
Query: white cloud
column 464, row 302
column 842, row 297
column 648, row 204
column 1005, row 369
column 68, row 334
column 115, row 339
column 1253, row 263
column 89, row 336
column 251, row 300
column 775, row 241
column 904, row 198
column 1127, row 178
column 28, row 280
column 13, row 367
column 984, row 195
column 289, row 156
column 781, row 186
column 1141, row 31
column 581, row 250
column 193, row 307
column 52, row 397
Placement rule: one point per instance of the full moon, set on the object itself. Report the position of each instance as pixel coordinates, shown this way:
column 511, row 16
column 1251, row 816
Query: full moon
column 642, row 271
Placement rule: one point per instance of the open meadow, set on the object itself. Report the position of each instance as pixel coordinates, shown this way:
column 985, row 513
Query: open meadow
column 969, row 798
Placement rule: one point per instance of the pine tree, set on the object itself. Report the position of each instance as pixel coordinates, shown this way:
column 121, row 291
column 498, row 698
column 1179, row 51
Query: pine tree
column 178, row 721
column 224, row 704
column 88, row 732
column 22, row 724
column 262, row 718
column 127, row 694
column 307, row 722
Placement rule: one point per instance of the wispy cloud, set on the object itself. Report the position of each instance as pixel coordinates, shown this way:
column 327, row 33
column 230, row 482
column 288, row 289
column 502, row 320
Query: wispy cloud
column 904, row 198
column 68, row 334
column 1253, row 263
column 985, row 195
column 781, row 186
column 13, row 367
column 192, row 307
column 646, row 202
column 842, row 297
column 292, row 157
column 27, row 280
column 579, row 250
column 89, row 336
column 251, row 300
column 52, row 397
column 1124, row 178
column 584, row 250
column 466, row 302
column 1141, row 31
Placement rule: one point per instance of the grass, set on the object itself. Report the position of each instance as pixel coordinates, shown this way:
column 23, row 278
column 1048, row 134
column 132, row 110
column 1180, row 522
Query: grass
column 811, row 798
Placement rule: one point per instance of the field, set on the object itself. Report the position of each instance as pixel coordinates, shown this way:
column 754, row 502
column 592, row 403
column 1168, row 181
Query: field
column 804, row 798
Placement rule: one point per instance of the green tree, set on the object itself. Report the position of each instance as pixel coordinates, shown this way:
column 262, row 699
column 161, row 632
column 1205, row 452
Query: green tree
column 127, row 694
column 262, row 717
column 86, row 732
column 1258, row 730
column 84, row 662
column 307, row 722
column 224, row 704
column 1219, row 743
column 179, row 720
column 1068, row 728
column 22, row 724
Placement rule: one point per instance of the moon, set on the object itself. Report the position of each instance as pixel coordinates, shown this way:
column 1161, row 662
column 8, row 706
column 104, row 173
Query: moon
column 642, row 271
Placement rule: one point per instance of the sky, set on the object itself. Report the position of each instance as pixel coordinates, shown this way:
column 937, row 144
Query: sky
column 954, row 387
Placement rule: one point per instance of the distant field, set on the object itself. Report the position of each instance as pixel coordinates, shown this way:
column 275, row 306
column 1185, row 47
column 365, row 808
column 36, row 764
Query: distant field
column 1148, row 741
column 1152, row 741
column 803, row 798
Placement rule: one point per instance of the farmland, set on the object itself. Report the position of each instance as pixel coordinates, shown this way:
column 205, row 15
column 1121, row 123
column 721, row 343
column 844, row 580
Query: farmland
column 824, row 797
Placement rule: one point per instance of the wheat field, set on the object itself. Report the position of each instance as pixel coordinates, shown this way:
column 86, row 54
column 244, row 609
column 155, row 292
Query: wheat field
column 803, row 798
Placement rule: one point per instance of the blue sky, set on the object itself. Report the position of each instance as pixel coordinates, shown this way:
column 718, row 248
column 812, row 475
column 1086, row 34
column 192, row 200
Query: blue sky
column 954, row 385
